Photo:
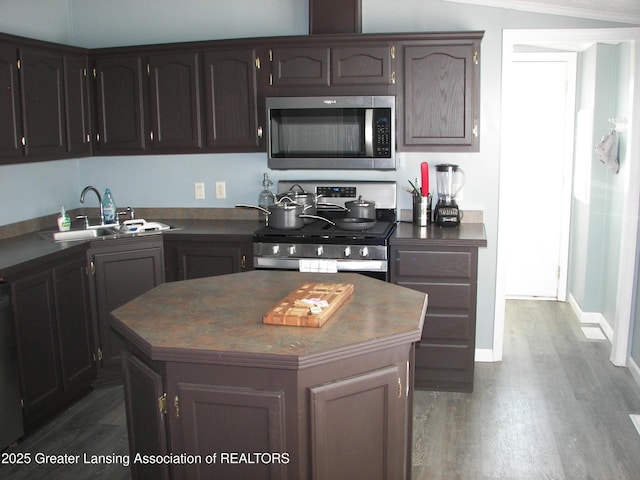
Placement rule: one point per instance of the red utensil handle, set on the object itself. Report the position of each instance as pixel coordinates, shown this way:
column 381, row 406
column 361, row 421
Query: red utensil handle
column 424, row 171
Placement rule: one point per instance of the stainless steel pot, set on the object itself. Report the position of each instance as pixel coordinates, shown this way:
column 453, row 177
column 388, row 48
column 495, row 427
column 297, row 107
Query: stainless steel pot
column 308, row 199
column 283, row 215
column 361, row 208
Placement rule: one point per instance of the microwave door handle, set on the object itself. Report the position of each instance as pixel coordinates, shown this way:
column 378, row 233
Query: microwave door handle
column 368, row 132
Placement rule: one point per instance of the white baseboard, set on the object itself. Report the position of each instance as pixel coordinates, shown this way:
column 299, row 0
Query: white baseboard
column 591, row 318
column 484, row 355
column 634, row 369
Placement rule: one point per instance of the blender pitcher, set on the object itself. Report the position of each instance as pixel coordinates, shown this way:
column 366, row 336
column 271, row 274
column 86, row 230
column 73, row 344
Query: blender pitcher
column 449, row 179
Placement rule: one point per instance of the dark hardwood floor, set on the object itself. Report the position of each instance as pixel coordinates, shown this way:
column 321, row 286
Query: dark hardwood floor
column 96, row 425
column 554, row 408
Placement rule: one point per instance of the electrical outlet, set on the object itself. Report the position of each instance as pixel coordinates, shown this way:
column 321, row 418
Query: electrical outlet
column 221, row 190
column 199, row 190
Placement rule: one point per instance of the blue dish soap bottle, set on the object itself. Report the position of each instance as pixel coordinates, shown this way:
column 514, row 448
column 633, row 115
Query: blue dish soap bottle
column 108, row 207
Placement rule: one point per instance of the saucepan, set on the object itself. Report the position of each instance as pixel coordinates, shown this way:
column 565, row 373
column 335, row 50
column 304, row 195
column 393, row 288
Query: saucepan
column 308, row 199
column 285, row 214
column 361, row 208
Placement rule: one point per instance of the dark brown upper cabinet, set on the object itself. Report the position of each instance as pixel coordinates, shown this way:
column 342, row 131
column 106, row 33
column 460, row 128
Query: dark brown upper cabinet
column 175, row 101
column 363, row 65
column 77, row 105
column 44, row 101
column 231, row 100
column 10, row 109
column 300, row 66
column 120, row 116
column 333, row 69
column 439, row 107
column 42, row 87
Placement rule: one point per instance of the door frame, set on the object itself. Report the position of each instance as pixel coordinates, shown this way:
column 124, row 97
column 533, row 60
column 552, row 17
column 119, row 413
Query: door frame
column 570, row 60
column 579, row 39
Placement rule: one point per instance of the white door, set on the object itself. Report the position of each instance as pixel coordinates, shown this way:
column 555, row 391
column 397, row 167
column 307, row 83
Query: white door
column 536, row 173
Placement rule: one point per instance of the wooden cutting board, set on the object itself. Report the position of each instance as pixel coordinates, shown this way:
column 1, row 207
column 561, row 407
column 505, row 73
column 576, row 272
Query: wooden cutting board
column 309, row 305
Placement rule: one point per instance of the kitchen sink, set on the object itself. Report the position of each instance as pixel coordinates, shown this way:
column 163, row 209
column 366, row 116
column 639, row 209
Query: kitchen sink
column 130, row 228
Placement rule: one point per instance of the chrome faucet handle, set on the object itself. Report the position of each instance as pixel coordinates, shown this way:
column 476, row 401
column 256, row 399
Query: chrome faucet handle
column 128, row 211
column 86, row 220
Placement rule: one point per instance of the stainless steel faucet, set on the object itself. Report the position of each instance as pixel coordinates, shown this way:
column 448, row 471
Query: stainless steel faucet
column 84, row 192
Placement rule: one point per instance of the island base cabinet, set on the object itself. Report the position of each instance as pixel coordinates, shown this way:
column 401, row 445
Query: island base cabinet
column 343, row 419
column 145, row 408
column 354, row 430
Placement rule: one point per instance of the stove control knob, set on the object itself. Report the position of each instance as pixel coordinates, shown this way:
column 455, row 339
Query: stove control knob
column 291, row 249
column 347, row 252
column 364, row 252
column 319, row 251
column 275, row 249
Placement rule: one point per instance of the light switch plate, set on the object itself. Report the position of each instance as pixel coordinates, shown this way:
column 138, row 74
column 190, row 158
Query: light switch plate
column 199, row 190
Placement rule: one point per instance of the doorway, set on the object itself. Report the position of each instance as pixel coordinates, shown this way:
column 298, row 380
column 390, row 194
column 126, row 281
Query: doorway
column 535, row 172
column 577, row 40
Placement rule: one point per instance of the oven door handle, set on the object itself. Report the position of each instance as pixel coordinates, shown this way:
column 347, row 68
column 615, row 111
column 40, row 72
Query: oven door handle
column 368, row 132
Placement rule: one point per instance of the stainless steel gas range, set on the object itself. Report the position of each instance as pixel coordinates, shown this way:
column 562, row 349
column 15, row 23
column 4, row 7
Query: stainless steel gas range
column 322, row 247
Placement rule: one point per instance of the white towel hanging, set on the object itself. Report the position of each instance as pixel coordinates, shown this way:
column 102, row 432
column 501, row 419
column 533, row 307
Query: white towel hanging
column 607, row 151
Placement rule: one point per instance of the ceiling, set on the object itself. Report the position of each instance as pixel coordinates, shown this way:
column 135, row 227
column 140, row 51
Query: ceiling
column 624, row 11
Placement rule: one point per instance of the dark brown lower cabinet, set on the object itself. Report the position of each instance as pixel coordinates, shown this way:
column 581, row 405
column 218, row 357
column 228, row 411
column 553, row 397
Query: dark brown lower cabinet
column 187, row 259
column 120, row 271
column 448, row 274
column 341, row 419
column 55, row 344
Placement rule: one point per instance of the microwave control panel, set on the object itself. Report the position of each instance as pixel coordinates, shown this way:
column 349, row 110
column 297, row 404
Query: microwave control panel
column 382, row 132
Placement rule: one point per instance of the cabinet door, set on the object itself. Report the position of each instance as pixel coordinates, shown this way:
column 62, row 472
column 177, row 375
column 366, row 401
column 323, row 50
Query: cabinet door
column 358, row 426
column 300, row 66
column 231, row 105
column 144, row 391
column 441, row 97
column 174, row 92
column 38, row 350
column 362, row 65
column 42, row 84
column 10, row 109
column 198, row 262
column 73, row 324
column 222, row 418
column 120, row 99
column 76, row 90
column 120, row 276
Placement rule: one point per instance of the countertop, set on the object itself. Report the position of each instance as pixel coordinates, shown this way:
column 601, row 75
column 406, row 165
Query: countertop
column 19, row 251
column 218, row 320
column 464, row 235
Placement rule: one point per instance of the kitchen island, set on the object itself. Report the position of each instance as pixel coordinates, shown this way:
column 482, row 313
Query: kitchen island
column 212, row 392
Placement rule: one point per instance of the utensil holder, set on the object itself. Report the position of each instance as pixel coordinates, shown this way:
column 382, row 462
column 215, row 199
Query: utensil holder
column 421, row 210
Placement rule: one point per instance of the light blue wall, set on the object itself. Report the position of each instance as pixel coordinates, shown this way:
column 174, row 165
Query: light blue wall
column 597, row 223
column 145, row 181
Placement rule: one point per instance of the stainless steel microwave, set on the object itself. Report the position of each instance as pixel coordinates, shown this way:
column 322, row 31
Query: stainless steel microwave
column 355, row 132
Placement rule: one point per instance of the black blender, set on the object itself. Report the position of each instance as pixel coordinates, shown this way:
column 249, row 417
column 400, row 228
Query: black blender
column 450, row 179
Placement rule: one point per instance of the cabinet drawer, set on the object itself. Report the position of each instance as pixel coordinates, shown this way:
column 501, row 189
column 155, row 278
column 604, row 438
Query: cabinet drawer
column 413, row 263
column 446, row 327
column 444, row 295
column 448, row 357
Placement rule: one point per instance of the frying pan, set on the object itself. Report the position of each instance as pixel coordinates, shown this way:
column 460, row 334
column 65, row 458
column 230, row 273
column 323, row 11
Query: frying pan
column 351, row 223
